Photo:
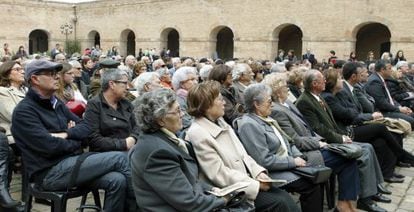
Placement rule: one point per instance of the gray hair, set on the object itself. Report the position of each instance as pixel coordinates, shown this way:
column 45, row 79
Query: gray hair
column 278, row 67
column 163, row 71
column 143, row 79
column 308, row 78
column 239, row 69
column 400, row 64
column 255, row 93
column 181, row 75
column 175, row 60
column 75, row 63
column 111, row 74
column 205, row 71
column 371, row 67
column 152, row 106
column 157, row 64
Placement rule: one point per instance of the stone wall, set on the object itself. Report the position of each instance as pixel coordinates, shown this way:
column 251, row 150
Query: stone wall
column 325, row 25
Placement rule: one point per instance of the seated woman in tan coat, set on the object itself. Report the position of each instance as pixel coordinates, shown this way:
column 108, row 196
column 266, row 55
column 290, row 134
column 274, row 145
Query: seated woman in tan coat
column 221, row 156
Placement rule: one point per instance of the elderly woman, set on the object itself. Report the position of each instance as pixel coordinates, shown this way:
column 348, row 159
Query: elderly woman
column 183, row 80
column 77, row 71
column 310, row 144
column 110, row 116
column 295, row 81
column 265, row 142
column 242, row 77
column 222, row 157
column 165, row 77
column 233, row 107
column 12, row 91
column 164, row 175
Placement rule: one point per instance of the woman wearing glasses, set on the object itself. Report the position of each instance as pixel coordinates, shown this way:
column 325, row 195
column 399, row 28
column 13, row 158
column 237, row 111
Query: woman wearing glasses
column 110, row 115
column 12, row 91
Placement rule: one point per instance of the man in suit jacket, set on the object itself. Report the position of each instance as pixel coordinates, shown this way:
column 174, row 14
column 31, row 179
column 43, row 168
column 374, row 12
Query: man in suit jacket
column 309, row 56
column 384, row 102
column 318, row 114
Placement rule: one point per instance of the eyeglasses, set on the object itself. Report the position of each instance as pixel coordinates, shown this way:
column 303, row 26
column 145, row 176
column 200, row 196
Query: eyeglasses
column 175, row 112
column 49, row 74
column 119, row 81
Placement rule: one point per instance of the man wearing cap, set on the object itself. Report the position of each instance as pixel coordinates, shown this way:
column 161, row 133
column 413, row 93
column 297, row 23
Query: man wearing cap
column 50, row 138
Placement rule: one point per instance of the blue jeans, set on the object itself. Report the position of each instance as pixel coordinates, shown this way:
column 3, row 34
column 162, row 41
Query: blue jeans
column 108, row 171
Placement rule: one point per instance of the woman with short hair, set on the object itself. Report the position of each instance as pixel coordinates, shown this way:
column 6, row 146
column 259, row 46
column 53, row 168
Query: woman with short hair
column 265, row 142
column 164, row 175
column 222, row 157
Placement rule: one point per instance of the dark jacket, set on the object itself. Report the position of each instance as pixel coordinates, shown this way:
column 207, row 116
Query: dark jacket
column 346, row 108
column 165, row 178
column 376, row 89
column 397, row 91
column 110, row 127
column 366, row 101
column 232, row 108
column 33, row 120
column 321, row 121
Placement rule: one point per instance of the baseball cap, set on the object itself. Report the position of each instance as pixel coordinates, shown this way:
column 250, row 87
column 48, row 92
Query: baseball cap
column 37, row 66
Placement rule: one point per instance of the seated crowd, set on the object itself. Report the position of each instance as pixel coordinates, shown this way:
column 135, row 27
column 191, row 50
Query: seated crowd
column 172, row 134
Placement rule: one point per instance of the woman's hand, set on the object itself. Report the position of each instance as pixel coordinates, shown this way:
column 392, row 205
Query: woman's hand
column 264, row 186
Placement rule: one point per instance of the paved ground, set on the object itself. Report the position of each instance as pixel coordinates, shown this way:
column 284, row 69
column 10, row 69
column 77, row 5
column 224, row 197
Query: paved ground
column 402, row 194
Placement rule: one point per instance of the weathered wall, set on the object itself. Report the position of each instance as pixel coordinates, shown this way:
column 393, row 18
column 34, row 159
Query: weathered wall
column 325, row 24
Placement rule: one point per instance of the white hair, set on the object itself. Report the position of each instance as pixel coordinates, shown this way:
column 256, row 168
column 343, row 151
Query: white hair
column 157, row 63
column 205, row 71
column 239, row 69
column 182, row 75
column 278, row 67
column 143, row 79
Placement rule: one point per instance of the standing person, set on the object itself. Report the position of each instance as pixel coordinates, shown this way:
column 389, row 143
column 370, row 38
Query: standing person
column 370, row 58
column 352, row 57
column 309, row 56
column 112, row 52
column 319, row 116
column 280, row 56
column 50, row 137
column 21, row 53
column 399, row 56
column 160, row 154
column 55, row 51
column 222, row 157
column 291, row 56
column 332, row 57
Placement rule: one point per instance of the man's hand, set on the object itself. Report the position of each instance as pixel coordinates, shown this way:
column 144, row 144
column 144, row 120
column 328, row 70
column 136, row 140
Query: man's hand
column 346, row 139
column 130, row 142
column 60, row 135
column 322, row 144
column 377, row 115
column 71, row 124
column 405, row 110
column 300, row 162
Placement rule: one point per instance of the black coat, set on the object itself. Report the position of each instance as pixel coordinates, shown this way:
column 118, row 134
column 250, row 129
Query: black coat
column 110, row 127
column 398, row 93
column 33, row 120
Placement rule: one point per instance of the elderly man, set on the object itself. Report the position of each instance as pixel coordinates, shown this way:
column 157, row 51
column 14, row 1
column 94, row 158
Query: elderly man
column 60, row 58
column 242, row 77
column 319, row 116
column 146, row 82
column 50, row 137
column 129, row 65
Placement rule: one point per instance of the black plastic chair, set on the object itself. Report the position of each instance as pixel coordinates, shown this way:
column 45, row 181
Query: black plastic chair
column 59, row 198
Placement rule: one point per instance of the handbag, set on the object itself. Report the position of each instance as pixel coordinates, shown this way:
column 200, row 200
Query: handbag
column 316, row 174
column 76, row 107
column 350, row 151
column 237, row 203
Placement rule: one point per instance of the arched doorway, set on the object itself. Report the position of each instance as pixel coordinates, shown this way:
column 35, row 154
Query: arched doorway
column 372, row 37
column 127, row 46
column 289, row 38
column 224, row 43
column 38, row 41
column 94, row 38
column 170, row 39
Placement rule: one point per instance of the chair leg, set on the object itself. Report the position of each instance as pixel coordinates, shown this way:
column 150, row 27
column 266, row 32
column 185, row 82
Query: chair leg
column 83, row 202
column 96, row 198
column 28, row 205
column 330, row 191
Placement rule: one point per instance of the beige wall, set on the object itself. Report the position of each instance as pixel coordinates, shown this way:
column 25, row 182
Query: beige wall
column 325, row 24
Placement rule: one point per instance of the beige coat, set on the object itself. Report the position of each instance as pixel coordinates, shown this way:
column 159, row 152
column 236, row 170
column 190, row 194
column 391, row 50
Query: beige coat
column 221, row 156
column 9, row 97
